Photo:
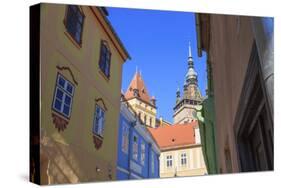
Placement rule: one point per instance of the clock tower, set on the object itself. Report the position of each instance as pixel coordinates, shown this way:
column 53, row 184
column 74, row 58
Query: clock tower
column 185, row 108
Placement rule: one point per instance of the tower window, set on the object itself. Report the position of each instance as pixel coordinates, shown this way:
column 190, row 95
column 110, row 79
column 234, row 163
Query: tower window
column 139, row 115
column 145, row 119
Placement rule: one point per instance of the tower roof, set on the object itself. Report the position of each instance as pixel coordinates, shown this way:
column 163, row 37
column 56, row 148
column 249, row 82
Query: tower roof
column 137, row 89
column 191, row 76
column 190, row 88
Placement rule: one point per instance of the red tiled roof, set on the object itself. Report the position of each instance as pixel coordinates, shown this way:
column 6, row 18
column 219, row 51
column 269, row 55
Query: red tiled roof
column 138, row 83
column 175, row 135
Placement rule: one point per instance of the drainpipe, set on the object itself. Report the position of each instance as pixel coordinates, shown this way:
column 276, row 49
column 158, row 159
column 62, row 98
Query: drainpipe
column 198, row 36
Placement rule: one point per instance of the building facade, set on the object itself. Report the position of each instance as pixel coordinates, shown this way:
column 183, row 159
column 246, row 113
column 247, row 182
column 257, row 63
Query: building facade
column 240, row 55
column 181, row 152
column 81, row 60
column 138, row 97
column 138, row 153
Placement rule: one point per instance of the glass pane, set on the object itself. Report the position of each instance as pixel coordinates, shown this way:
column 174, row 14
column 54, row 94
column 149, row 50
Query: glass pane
column 100, row 127
column 61, row 82
column 96, row 124
column 80, row 17
column 59, row 94
column 66, row 110
column 69, row 88
column 58, row 104
column 97, row 111
column 67, row 100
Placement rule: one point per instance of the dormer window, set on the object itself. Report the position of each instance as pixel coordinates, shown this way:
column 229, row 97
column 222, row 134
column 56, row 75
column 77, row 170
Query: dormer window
column 136, row 92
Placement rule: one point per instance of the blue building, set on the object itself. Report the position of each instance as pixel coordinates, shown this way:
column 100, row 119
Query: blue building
column 138, row 153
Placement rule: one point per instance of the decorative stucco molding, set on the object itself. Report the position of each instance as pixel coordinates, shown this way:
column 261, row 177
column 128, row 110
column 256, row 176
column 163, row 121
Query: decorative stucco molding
column 69, row 70
column 59, row 122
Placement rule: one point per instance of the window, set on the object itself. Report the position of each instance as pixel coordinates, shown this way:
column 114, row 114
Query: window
column 74, row 22
column 135, row 147
column 98, row 125
column 63, row 97
column 169, row 161
column 183, row 159
column 105, row 56
column 145, row 119
column 152, row 164
column 142, row 153
column 125, row 138
column 150, row 121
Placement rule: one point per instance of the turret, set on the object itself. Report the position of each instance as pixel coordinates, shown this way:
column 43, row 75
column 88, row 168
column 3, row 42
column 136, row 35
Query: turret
column 153, row 101
column 178, row 95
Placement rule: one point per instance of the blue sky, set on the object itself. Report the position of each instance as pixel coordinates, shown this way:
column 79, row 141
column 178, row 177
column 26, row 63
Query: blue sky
column 158, row 44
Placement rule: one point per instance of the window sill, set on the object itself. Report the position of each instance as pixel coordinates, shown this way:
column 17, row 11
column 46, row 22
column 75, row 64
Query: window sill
column 103, row 75
column 98, row 140
column 76, row 44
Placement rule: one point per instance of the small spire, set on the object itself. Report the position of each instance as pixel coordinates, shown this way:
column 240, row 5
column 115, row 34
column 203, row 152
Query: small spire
column 178, row 93
column 189, row 50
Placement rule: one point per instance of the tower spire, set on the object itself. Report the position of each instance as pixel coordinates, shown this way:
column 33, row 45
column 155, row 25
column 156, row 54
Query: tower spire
column 191, row 76
column 189, row 50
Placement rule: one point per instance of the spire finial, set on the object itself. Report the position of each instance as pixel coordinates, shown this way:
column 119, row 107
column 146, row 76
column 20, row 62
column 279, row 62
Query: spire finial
column 189, row 49
column 136, row 69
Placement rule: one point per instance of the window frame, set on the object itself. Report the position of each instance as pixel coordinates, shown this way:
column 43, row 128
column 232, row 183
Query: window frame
column 169, row 161
column 73, row 37
column 100, row 130
column 135, row 147
column 125, row 138
column 142, row 153
column 105, row 59
column 65, row 93
column 183, row 158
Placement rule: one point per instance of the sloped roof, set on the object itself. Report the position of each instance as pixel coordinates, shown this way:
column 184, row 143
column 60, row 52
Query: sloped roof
column 138, row 83
column 175, row 135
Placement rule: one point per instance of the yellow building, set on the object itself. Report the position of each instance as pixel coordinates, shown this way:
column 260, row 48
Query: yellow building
column 81, row 60
column 138, row 97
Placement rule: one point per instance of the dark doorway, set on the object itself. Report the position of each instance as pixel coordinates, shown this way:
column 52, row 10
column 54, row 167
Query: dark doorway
column 254, row 125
